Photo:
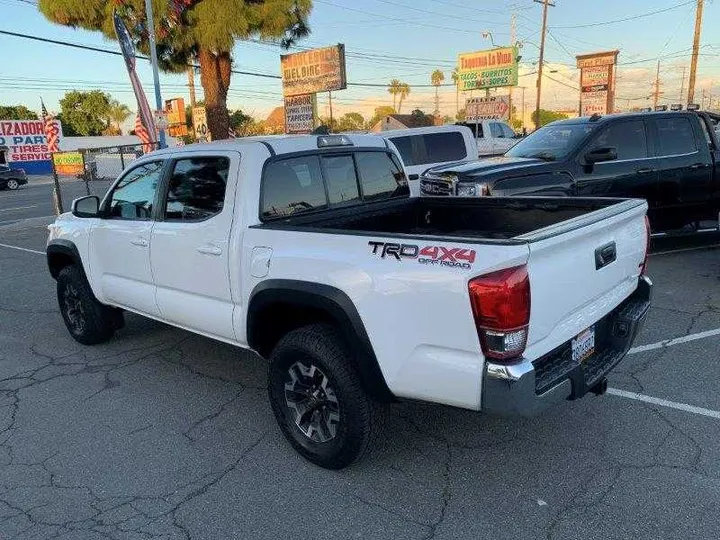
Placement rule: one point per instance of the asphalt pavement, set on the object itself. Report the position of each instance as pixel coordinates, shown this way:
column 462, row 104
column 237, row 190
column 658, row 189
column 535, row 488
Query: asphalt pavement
column 164, row 434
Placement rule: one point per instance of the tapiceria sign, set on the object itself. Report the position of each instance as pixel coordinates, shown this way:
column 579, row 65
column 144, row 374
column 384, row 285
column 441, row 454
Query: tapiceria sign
column 316, row 70
column 27, row 145
column 488, row 69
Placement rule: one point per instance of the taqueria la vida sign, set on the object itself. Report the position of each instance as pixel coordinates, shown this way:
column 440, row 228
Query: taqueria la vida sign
column 488, row 69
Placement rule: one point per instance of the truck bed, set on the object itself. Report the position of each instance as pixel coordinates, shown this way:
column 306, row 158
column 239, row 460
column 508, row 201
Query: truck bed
column 503, row 220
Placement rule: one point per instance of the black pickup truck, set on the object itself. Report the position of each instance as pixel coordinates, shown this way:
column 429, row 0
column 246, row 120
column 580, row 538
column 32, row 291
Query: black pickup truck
column 671, row 159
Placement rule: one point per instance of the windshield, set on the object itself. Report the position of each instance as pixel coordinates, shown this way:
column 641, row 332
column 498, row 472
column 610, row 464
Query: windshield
column 551, row 142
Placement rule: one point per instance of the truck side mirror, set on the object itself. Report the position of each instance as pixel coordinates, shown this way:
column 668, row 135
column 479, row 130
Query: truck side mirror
column 599, row 155
column 86, row 207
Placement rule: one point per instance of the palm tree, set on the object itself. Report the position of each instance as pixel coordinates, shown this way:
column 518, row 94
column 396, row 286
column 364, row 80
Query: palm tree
column 394, row 89
column 456, row 81
column 436, row 79
column 117, row 114
column 404, row 90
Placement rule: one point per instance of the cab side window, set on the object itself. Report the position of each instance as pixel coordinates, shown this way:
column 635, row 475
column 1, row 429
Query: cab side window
column 676, row 136
column 196, row 189
column 134, row 195
column 628, row 138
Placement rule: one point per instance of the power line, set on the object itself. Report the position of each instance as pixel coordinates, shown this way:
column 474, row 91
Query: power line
column 395, row 18
column 632, row 18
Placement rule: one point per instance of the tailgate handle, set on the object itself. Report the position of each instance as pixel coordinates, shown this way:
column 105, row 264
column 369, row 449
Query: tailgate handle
column 604, row 255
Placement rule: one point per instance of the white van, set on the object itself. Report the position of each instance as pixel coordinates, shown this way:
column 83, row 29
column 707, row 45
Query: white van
column 426, row 147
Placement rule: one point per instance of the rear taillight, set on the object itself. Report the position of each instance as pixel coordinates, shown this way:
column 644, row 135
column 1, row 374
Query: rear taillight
column 501, row 306
column 643, row 265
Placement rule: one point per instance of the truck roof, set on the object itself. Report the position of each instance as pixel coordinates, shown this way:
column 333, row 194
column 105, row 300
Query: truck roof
column 598, row 119
column 281, row 144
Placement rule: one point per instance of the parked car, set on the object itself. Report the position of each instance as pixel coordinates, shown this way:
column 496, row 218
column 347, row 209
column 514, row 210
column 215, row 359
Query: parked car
column 309, row 251
column 423, row 148
column 671, row 159
column 12, row 178
column 493, row 137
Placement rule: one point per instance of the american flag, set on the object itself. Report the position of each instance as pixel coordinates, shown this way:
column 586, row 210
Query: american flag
column 231, row 133
column 141, row 132
column 52, row 132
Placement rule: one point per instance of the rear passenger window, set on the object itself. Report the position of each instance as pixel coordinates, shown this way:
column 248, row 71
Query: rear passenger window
column 676, row 136
column 496, row 130
column 431, row 148
column 196, row 190
column 293, row 186
column 341, row 179
column 380, row 177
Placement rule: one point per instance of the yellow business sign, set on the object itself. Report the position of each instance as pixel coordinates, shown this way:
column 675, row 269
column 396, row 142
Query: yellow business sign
column 69, row 163
column 316, row 70
column 488, row 69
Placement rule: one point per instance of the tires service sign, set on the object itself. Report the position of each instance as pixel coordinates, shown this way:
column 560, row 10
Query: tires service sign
column 316, row 70
column 488, row 69
column 27, row 144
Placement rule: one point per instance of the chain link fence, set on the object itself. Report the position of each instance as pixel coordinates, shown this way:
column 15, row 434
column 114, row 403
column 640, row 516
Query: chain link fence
column 91, row 171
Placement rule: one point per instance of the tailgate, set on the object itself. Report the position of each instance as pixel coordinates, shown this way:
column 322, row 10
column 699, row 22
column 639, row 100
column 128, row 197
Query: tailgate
column 582, row 269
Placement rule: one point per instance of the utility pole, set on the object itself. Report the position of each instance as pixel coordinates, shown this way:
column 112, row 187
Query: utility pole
column 656, row 92
column 154, row 61
column 513, row 21
column 545, row 4
column 696, row 51
column 191, row 84
column 682, row 86
column 523, row 107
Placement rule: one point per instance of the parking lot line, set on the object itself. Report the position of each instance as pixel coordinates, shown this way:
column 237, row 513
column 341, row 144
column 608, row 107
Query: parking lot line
column 665, row 403
column 22, row 249
column 18, row 208
column 675, row 341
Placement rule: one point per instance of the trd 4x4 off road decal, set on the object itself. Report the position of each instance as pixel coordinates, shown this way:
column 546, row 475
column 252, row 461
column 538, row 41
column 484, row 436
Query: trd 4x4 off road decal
column 434, row 255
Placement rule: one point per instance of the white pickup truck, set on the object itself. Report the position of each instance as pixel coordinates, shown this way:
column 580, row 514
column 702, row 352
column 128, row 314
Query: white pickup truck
column 494, row 137
column 309, row 251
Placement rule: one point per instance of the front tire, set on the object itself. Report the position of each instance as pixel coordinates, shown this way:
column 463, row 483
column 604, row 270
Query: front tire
column 317, row 398
column 12, row 184
column 88, row 321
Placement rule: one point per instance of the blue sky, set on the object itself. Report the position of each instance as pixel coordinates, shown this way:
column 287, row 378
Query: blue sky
column 404, row 39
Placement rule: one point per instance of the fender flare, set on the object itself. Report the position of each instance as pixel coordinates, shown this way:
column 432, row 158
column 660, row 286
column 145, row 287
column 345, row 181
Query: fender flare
column 63, row 250
column 334, row 303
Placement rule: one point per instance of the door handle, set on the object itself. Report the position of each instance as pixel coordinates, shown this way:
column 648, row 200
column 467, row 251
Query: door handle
column 209, row 250
column 645, row 171
column 141, row 242
column 698, row 165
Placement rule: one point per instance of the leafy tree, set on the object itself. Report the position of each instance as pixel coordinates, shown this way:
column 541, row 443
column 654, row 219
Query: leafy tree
column 394, row 90
column 86, row 113
column 117, row 114
column 403, row 92
column 380, row 113
column 241, row 123
column 437, row 77
column 547, row 116
column 202, row 31
column 352, row 121
column 460, row 116
column 517, row 124
column 16, row 112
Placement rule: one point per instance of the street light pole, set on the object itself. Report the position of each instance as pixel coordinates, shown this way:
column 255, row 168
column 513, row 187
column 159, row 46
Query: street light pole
column 545, row 4
column 154, row 61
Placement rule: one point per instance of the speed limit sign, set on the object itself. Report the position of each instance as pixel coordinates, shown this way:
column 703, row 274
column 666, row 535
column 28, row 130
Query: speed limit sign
column 202, row 134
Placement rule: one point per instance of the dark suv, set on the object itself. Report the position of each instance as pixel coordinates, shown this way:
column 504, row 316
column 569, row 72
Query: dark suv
column 671, row 159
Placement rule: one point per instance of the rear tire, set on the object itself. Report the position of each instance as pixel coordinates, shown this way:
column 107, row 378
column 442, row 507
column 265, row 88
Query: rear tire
column 12, row 184
column 317, row 398
column 88, row 321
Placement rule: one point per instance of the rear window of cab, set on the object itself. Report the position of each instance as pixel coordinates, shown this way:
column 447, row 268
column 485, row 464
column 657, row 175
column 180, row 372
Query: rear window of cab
column 299, row 184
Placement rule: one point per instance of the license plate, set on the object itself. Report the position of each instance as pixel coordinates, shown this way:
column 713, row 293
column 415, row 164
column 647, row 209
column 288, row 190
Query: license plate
column 583, row 345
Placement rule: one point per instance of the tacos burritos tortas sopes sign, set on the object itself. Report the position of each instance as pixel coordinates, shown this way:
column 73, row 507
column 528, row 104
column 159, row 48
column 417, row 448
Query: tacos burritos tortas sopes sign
column 316, row 70
column 488, row 69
